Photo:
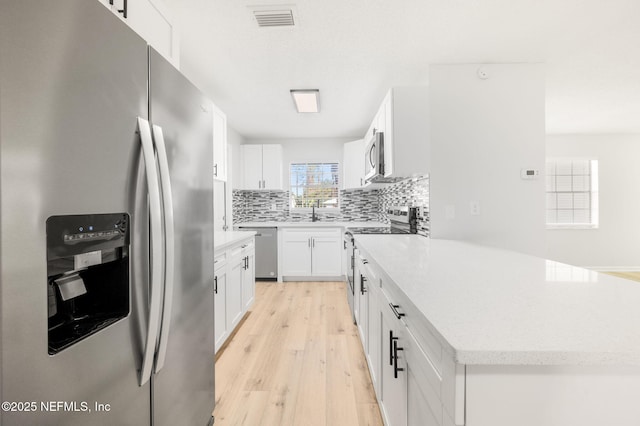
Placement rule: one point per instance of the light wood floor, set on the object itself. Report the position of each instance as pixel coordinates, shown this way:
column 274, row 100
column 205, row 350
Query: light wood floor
column 628, row 275
column 296, row 360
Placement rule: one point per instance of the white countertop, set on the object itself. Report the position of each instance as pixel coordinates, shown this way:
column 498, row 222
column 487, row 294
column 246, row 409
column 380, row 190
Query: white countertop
column 491, row 306
column 222, row 240
column 318, row 224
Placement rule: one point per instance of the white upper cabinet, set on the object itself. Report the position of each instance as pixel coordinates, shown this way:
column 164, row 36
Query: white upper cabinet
column 353, row 165
column 403, row 118
column 271, row 166
column 152, row 20
column 219, row 145
column 251, row 156
column 261, row 166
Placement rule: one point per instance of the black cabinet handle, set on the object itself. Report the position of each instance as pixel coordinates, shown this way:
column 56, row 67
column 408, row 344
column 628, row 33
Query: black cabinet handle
column 124, row 9
column 394, row 308
column 345, row 244
column 363, row 290
column 215, row 285
column 395, row 359
column 215, row 170
column 392, row 340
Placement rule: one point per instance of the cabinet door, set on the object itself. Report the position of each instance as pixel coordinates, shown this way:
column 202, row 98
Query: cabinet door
column 325, row 259
column 272, row 166
column 363, row 313
column 234, row 292
column 394, row 389
column 374, row 330
column 353, row 164
column 219, row 297
column 248, row 280
column 251, row 166
column 418, row 407
column 357, row 271
column 296, row 253
column 219, row 145
column 152, row 20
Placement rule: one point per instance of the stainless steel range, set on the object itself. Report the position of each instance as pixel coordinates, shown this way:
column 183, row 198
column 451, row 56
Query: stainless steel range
column 403, row 220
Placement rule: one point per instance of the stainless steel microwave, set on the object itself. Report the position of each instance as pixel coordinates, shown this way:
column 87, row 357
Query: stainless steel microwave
column 374, row 158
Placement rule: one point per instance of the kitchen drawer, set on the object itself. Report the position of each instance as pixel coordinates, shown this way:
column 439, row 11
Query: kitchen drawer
column 369, row 269
column 324, row 232
column 415, row 321
column 247, row 246
column 235, row 251
column 220, row 260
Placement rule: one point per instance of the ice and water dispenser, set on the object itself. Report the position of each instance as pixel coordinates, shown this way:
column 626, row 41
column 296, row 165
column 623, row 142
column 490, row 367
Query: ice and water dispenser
column 87, row 275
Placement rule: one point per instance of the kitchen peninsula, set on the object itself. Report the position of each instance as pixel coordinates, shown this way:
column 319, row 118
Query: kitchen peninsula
column 471, row 335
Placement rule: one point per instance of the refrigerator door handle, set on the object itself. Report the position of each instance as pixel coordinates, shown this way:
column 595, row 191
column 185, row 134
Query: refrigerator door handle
column 169, row 240
column 156, row 249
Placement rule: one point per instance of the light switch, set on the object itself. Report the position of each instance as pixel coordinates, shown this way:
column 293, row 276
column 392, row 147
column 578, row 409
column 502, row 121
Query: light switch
column 529, row 174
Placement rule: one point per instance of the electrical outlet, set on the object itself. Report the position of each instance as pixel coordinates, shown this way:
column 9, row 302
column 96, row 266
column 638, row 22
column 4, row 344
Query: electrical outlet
column 474, row 207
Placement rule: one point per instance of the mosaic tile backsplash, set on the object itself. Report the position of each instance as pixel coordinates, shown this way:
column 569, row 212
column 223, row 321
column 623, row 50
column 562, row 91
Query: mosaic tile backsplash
column 355, row 205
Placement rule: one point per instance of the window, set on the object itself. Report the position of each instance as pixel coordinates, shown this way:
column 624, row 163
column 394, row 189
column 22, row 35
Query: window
column 314, row 184
column 572, row 193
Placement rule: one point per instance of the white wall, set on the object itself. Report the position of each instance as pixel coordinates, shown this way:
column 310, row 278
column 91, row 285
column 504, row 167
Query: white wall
column 234, row 140
column 301, row 150
column 483, row 132
column 616, row 242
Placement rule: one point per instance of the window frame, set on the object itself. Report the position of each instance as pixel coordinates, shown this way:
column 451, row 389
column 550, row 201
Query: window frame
column 594, row 195
column 337, row 187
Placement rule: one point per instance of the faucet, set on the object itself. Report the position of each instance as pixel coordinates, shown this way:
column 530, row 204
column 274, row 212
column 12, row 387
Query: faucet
column 314, row 216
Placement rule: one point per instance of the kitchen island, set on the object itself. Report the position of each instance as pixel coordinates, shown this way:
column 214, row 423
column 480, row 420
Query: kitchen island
column 483, row 336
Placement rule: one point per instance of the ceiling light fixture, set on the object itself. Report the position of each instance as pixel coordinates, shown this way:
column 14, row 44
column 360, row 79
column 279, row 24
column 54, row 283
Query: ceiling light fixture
column 307, row 100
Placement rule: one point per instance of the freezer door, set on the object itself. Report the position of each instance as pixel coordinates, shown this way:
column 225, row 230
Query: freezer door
column 73, row 79
column 183, row 389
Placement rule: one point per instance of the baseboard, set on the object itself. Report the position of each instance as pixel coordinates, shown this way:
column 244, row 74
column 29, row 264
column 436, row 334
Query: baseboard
column 337, row 278
column 614, row 268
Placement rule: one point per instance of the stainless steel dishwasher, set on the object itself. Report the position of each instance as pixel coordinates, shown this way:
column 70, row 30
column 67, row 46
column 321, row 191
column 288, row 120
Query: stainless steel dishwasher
column 266, row 252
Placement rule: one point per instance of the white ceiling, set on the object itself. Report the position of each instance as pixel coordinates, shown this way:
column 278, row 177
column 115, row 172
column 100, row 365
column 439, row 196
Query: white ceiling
column 354, row 50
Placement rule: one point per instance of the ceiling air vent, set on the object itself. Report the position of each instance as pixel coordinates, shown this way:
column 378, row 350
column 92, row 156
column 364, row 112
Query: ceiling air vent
column 277, row 16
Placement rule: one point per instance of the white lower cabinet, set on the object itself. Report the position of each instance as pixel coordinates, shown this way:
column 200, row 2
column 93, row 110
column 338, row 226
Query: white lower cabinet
column 234, row 288
column 414, row 381
column 374, row 327
column 296, row 252
column 393, row 395
column 220, row 300
column 312, row 252
column 248, row 277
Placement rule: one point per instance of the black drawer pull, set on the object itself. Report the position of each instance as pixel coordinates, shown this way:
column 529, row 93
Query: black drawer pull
column 395, row 359
column 394, row 308
column 391, row 342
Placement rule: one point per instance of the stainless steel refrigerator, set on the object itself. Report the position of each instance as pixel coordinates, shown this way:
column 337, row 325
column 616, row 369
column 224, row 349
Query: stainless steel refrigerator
column 106, row 219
